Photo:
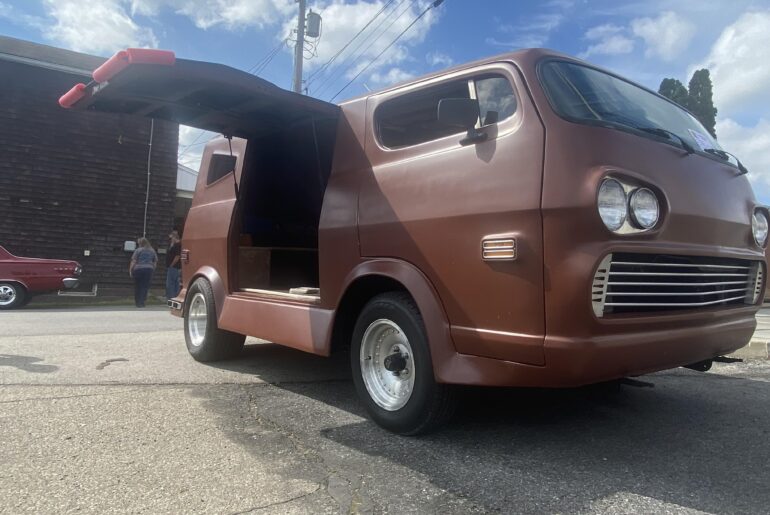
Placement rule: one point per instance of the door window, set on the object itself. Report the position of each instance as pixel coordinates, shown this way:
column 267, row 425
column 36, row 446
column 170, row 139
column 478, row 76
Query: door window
column 412, row 119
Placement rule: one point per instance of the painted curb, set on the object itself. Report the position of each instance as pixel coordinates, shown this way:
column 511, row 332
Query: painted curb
column 756, row 349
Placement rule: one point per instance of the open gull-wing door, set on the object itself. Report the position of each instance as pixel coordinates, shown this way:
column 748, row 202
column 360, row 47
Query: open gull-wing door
column 218, row 98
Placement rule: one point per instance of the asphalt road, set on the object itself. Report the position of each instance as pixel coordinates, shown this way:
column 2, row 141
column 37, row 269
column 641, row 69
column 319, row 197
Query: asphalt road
column 102, row 411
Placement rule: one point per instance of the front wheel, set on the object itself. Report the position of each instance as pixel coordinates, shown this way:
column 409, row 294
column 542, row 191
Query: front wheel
column 392, row 368
column 205, row 341
column 12, row 296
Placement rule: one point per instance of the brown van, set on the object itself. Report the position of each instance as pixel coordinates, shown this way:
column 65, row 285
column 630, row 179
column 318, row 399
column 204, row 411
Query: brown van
column 525, row 220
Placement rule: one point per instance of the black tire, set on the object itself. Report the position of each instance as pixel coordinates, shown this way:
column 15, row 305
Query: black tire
column 430, row 404
column 207, row 342
column 12, row 295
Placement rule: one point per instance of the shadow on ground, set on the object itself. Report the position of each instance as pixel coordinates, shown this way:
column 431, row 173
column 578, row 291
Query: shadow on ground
column 26, row 363
column 695, row 440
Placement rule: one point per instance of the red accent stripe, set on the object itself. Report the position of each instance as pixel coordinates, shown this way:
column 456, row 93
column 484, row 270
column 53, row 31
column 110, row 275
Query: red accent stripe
column 122, row 59
column 77, row 92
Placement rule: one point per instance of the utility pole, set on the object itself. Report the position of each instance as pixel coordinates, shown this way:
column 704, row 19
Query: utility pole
column 299, row 48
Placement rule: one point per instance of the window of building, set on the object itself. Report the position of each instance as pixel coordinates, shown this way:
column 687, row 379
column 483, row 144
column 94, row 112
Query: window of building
column 220, row 165
column 412, row 119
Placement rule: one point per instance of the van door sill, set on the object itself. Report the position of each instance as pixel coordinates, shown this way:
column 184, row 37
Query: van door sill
column 278, row 294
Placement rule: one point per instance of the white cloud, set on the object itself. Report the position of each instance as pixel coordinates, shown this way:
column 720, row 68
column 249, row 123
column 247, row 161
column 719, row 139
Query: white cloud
column 535, row 32
column 234, row 13
column 392, row 76
column 342, row 21
column 667, row 36
column 610, row 40
column 100, row 27
column 439, row 59
column 739, row 65
column 752, row 146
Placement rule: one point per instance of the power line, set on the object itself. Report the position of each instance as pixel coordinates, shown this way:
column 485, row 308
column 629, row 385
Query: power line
column 435, row 4
column 343, row 67
column 335, row 56
column 261, row 65
column 355, row 55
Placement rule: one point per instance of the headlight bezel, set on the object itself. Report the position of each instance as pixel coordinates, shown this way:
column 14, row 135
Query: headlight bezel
column 610, row 182
column 761, row 244
column 632, row 211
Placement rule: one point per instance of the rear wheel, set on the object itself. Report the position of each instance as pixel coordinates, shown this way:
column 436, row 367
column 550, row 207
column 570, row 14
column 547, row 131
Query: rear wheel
column 392, row 368
column 12, row 295
column 205, row 341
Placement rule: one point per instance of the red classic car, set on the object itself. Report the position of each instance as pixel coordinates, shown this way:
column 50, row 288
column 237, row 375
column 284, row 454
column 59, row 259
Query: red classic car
column 23, row 277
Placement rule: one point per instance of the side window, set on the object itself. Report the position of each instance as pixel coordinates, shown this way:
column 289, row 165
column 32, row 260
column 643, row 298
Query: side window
column 219, row 166
column 496, row 99
column 412, row 119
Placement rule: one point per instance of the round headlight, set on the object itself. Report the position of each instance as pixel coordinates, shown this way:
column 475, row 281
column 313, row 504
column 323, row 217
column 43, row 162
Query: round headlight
column 759, row 228
column 613, row 206
column 644, row 208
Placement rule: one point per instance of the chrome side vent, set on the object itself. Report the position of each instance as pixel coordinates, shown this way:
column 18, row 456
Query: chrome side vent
column 495, row 249
column 599, row 287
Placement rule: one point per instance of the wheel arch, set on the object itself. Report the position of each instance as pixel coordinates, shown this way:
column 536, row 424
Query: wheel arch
column 382, row 275
column 217, row 287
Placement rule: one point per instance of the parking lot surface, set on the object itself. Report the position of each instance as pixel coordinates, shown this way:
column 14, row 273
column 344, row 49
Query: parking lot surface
column 103, row 411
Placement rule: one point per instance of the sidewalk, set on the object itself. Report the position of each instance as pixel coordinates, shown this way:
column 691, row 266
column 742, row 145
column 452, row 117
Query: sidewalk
column 758, row 347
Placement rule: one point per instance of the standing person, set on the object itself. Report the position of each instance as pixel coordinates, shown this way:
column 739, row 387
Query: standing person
column 143, row 263
column 173, row 266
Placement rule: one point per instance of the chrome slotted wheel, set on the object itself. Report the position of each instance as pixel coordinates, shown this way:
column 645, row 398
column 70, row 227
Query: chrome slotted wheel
column 387, row 365
column 7, row 295
column 197, row 319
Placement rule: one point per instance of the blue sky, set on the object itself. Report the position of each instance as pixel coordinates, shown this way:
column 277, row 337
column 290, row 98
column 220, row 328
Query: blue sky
column 643, row 40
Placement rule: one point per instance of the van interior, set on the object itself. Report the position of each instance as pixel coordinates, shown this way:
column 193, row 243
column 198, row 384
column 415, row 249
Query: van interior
column 280, row 198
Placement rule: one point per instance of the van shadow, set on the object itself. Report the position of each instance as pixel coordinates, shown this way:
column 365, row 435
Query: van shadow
column 26, row 363
column 694, row 441
column 276, row 364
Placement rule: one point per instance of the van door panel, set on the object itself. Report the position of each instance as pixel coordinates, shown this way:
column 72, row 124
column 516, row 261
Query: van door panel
column 432, row 205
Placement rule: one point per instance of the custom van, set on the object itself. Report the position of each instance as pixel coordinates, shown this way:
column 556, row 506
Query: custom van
column 525, row 220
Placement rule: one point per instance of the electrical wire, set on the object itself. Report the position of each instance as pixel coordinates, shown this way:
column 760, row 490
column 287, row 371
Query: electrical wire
column 354, row 54
column 433, row 5
column 335, row 56
column 262, row 64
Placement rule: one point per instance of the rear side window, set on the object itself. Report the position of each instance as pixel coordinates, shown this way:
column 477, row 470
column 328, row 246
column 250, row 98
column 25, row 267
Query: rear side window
column 219, row 166
column 412, row 119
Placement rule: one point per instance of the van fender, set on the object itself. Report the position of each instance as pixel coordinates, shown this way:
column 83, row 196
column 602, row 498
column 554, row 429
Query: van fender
column 217, row 286
column 426, row 297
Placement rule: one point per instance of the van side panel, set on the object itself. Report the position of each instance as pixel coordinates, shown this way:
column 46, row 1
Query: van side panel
column 338, row 249
column 208, row 225
column 434, row 203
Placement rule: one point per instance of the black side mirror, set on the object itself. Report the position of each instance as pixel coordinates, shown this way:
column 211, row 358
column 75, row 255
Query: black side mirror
column 462, row 112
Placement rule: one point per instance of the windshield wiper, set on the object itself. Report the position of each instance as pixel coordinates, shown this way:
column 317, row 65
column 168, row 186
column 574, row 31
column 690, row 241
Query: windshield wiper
column 670, row 135
column 726, row 156
column 658, row 131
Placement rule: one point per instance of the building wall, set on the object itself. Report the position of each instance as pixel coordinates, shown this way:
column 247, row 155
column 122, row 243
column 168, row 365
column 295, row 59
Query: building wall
column 73, row 181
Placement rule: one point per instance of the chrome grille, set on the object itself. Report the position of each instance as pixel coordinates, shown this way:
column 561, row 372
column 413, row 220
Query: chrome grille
column 639, row 283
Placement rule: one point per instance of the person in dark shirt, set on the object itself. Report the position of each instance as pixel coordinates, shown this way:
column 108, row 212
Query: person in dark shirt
column 173, row 266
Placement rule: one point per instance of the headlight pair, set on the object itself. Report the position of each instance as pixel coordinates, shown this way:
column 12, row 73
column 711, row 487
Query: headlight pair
column 616, row 206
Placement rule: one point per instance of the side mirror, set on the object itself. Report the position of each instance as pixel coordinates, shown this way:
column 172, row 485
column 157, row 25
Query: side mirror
column 461, row 112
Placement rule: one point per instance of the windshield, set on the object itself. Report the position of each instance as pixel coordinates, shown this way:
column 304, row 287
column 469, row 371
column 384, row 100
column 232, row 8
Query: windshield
column 583, row 94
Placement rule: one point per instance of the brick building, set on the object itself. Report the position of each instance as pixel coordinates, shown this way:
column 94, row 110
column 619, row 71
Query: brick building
column 73, row 184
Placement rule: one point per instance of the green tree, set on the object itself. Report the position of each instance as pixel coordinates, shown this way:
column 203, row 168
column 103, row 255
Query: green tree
column 698, row 100
column 674, row 90
column 701, row 102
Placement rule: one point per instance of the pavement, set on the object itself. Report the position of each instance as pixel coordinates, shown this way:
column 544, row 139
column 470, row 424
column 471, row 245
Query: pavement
column 103, row 411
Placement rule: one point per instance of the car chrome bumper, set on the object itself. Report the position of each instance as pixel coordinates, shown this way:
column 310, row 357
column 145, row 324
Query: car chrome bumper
column 70, row 282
